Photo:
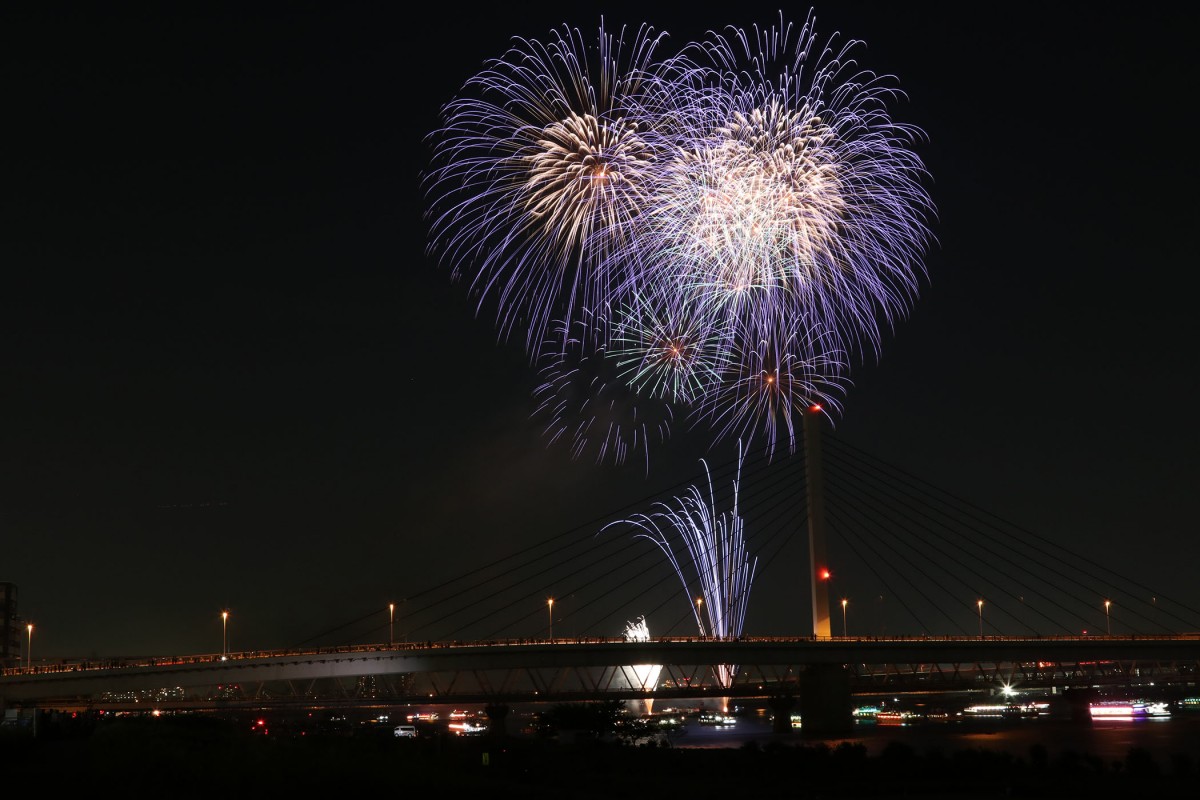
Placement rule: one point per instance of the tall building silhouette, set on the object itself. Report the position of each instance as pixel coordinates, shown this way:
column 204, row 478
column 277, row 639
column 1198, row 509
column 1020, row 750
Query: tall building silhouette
column 10, row 626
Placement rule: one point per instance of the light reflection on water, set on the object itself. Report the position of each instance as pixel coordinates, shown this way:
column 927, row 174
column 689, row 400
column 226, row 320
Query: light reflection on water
column 1110, row 740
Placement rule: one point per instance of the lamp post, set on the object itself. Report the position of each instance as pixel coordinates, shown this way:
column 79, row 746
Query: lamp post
column 845, row 602
column 699, row 618
column 1108, row 616
column 979, row 603
column 550, row 606
column 391, row 623
column 29, row 646
column 224, row 634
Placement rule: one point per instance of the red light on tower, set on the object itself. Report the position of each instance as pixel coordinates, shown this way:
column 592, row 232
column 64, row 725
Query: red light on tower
column 825, row 574
column 815, row 408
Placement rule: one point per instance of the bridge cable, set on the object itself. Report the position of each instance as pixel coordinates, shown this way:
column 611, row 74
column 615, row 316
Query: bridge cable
column 835, row 484
column 1001, row 556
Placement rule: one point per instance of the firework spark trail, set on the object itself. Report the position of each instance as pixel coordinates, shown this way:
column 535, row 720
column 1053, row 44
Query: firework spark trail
column 716, row 544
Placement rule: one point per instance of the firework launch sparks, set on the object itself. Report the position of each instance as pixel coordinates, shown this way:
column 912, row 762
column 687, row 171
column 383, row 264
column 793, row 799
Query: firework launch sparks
column 717, row 560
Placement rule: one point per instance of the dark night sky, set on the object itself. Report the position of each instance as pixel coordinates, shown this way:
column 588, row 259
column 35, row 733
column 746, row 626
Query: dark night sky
column 234, row 379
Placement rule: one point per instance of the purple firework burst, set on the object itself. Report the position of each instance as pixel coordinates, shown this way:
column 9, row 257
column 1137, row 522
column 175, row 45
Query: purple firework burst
column 715, row 234
column 539, row 170
column 803, row 186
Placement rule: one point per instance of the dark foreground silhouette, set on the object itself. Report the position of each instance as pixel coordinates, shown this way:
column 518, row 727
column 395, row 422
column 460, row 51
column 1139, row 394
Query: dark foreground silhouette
column 186, row 757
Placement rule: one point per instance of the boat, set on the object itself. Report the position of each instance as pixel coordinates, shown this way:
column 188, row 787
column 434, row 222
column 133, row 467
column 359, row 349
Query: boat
column 711, row 718
column 1007, row 710
column 896, row 718
column 866, row 713
column 1128, row 709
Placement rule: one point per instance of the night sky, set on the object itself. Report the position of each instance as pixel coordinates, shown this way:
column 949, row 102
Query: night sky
column 234, row 378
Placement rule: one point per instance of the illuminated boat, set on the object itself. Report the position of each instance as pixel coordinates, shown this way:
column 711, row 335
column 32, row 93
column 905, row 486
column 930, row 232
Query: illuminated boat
column 710, row 718
column 467, row 728
column 986, row 710
column 1007, row 710
column 1128, row 709
column 866, row 713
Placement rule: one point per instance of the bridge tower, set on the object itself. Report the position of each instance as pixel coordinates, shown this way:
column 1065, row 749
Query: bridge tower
column 815, row 483
column 825, row 706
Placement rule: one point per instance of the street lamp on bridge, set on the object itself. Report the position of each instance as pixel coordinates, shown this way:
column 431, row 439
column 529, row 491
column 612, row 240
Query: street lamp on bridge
column 979, row 603
column 845, row 602
column 1108, row 616
column 225, row 634
column 391, row 623
column 550, row 606
column 29, row 646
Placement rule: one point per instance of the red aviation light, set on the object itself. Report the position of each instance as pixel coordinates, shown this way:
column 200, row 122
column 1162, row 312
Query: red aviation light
column 815, row 408
column 825, row 574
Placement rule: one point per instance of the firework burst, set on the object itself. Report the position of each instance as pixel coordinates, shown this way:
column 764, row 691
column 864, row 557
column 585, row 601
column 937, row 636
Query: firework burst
column 583, row 401
column 713, row 235
column 539, row 170
column 669, row 351
column 736, row 215
column 809, row 182
column 778, row 368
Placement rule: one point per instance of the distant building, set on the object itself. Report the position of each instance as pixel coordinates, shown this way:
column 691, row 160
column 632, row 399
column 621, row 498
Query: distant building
column 11, row 630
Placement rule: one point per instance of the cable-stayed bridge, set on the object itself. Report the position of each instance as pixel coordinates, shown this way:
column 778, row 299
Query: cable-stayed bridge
column 907, row 588
column 822, row 675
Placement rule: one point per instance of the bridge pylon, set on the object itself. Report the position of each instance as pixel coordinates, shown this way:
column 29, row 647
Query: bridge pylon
column 815, row 484
column 825, row 688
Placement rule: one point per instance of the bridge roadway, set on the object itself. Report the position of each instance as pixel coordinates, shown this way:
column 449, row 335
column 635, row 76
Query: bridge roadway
column 540, row 670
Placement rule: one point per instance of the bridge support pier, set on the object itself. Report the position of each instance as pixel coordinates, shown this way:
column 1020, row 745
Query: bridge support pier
column 782, row 706
column 1079, row 702
column 497, row 714
column 825, row 706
